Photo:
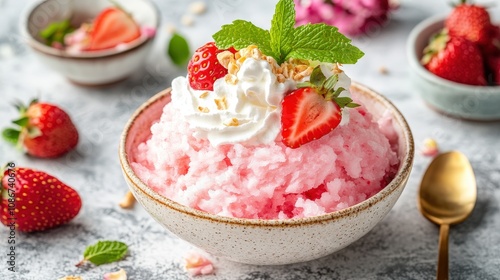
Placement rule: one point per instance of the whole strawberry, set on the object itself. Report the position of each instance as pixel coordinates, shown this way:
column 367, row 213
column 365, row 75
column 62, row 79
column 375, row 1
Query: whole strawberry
column 35, row 201
column 492, row 48
column 45, row 130
column 455, row 59
column 204, row 67
column 469, row 21
column 313, row 110
column 494, row 68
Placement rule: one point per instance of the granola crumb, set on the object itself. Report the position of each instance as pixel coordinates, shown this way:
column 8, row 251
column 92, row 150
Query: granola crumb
column 71, row 277
column 198, row 8
column 430, row 148
column 221, row 103
column 383, row 70
column 117, row 275
column 204, row 94
column 196, row 264
column 187, row 20
column 203, row 109
column 128, row 201
column 171, row 28
column 232, row 122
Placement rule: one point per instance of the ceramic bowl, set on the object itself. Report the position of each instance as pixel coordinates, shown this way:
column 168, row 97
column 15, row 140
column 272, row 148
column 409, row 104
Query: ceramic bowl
column 480, row 103
column 267, row 242
column 96, row 67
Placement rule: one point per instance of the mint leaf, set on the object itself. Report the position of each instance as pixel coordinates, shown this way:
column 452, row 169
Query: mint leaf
column 11, row 135
column 323, row 43
column 241, row 34
column 282, row 29
column 56, row 31
column 178, row 50
column 316, row 42
column 104, row 252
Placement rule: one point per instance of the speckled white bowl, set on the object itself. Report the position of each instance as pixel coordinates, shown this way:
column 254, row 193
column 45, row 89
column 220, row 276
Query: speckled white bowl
column 266, row 242
column 480, row 103
column 88, row 68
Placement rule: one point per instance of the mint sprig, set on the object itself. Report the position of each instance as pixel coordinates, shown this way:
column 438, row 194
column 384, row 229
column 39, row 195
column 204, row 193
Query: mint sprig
column 104, row 252
column 56, row 31
column 317, row 42
column 231, row 36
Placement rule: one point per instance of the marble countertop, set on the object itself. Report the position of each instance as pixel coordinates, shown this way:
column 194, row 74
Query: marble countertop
column 402, row 246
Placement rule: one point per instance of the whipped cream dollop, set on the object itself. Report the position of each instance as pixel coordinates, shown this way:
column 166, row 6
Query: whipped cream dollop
column 247, row 110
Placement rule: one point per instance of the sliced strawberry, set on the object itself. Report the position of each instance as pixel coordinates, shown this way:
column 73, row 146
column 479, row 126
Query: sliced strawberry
column 204, row 67
column 307, row 116
column 112, row 27
column 312, row 111
column 41, row 201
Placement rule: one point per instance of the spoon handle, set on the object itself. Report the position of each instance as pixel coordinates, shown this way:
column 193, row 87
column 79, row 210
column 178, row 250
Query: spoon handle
column 442, row 269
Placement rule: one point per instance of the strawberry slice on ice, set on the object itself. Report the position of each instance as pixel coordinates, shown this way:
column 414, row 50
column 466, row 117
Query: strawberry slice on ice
column 313, row 110
column 112, row 27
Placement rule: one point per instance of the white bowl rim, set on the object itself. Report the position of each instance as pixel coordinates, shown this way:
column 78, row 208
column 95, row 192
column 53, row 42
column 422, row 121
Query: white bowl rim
column 415, row 61
column 39, row 46
column 397, row 182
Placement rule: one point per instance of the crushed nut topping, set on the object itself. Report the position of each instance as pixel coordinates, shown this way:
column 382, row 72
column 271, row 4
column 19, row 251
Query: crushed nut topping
column 204, row 94
column 231, row 79
column 232, row 122
column 221, row 103
column 203, row 109
column 295, row 69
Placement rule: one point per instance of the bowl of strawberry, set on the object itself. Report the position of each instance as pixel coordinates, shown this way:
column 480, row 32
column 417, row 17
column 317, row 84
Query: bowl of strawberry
column 91, row 42
column 455, row 63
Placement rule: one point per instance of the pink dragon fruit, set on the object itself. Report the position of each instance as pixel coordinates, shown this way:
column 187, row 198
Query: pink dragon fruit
column 352, row 17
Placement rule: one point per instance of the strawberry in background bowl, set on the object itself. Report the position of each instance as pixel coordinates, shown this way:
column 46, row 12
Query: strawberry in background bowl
column 455, row 62
column 91, row 42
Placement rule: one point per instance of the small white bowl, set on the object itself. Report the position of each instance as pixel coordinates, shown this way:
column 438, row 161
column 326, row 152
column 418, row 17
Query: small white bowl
column 267, row 242
column 480, row 103
column 96, row 67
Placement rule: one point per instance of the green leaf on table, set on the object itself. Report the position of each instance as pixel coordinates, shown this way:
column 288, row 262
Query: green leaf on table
column 178, row 50
column 104, row 252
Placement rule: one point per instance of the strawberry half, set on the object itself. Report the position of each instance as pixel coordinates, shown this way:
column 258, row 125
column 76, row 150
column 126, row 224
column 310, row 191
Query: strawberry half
column 46, row 131
column 35, row 201
column 112, row 27
column 454, row 58
column 313, row 110
column 204, row 67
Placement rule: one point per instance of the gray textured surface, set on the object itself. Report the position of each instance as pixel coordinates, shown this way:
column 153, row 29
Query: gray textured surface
column 402, row 246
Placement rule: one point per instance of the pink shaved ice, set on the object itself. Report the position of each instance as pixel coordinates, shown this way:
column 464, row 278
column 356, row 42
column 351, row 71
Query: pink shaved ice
column 343, row 168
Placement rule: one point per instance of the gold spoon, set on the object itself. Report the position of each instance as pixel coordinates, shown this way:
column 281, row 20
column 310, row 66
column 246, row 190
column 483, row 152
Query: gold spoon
column 447, row 196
